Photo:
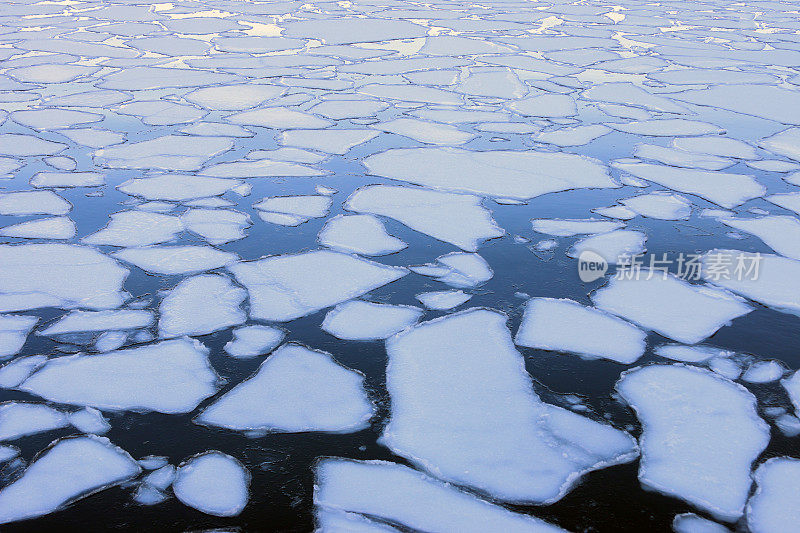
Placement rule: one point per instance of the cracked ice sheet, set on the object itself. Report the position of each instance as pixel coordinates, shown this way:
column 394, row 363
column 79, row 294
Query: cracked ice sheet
column 168, row 377
column 59, row 275
column 72, row 468
column 701, row 434
column 286, row 287
column 295, row 389
column 458, row 387
column 506, row 174
column 722, row 188
column 459, row 219
column 401, row 495
column 670, row 306
column 548, row 324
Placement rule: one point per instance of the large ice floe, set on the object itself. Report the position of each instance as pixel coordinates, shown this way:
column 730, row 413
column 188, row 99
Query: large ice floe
column 458, row 388
column 701, row 434
column 214, row 483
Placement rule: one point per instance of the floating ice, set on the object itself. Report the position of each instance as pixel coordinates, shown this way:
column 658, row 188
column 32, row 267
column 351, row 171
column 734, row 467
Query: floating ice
column 217, row 226
column 169, row 377
column 458, row 387
column 508, row 174
column 455, row 218
column 577, row 136
column 170, row 152
column 779, row 232
column 681, row 158
column 546, row 105
column 286, row 287
column 176, row 259
column 458, row 269
column 136, row 228
column 14, row 331
column 50, row 119
column 776, row 284
column 784, row 143
column 671, row 127
column 722, row 188
column 338, row 141
column 89, row 420
column 426, row 132
column 18, row 419
column 362, row 234
column 670, row 306
column 717, row 146
column 548, row 324
column 765, row 101
column 200, row 305
column 360, row 320
column 110, row 340
column 296, row 209
column 792, row 386
column 775, row 506
column 689, row 354
column 763, row 372
column 62, row 275
column 279, row 118
column 692, row 523
column 660, row 205
column 18, row 370
column 214, row 483
column 295, row 389
column 76, row 321
column 93, row 138
column 615, row 246
column 250, row 341
column 68, row 179
column 630, row 94
column 26, row 145
column 701, row 434
column 72, row 468
column 442, row 300
column 568, row 228
column 374, row 489
column 177, row 188
column 33, row 203
column 259, row 169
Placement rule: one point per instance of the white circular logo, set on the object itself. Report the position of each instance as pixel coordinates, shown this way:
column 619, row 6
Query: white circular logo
column 591, row 266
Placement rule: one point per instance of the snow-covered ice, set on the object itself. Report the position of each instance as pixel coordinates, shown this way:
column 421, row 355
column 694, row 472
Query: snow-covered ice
column 775, row 505
column 199, row 305
column 250, row 341
column 362, row 320
column 214, row 483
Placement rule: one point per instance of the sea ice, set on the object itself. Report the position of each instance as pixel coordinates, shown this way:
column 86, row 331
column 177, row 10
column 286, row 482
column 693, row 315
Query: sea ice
column 200, row 305
column 361, row 320
column 14, row 331
column 76, row 321
column 250, row 341
column 174, row 260
column 701, row 434
column 442, row 300
column 213, row 483
column 568, row 228
column 295, row 389
column 660, row 205
column 177, row 187
column 361, row 234
column 18, row 419
column 136, row 228
column 33, row 203
column 615, row 246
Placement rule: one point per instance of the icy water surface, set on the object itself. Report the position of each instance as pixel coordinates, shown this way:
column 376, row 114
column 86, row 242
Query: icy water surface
column 283, row 266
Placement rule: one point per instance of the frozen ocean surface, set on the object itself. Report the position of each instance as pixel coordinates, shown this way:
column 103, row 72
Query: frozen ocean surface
column 518, row 265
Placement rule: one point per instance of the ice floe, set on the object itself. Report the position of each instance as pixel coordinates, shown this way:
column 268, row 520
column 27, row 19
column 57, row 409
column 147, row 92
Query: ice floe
column 775, row 504
column 214, row 483
column 176, row 259
column 442, row 300
column 250, row 341
column 200, row 305
column 361, row 234
column 361, row 320
column 33, row 203
column 18, row 419
column 701, row 434
column 121, row 319
column 295, row 389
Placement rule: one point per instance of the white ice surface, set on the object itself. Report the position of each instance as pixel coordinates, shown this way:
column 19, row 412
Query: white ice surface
column 250, row 341
column 361, row 234
column 76, row 321
column 14, row 331
column 200, row 305
column 360, row 320
column 18, row 419
column 775, row 506
column 213, row 483
column 176, row 259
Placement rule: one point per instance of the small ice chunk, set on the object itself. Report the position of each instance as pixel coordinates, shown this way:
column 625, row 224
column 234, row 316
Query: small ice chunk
column 234, row 97
column 72, row 468
column 360, row 320
column 200, row 305
column 110, row 340
column 692, row 523
column 763, row 372
column 568, row 228
column 136, row 228
column 689, row 354
column 371, row 488
column 671, row 127
column 168, row 377
column 458, row 387
column 169, row 152
column 442, row 300
column 681, row 158
column 279, row 118
column 33, row 203
column 153, row 462
column 295, row 389
column 14, row 331
column 89, row 420
column 546, row 105
column 147, row 494
column 7, row 453
column 775, row 505
column 789, row 200
column 660, row 205
column 286, row 287
column 250, row 341
column 173, row 260
column 670, row 306
column 18, row 419
column 701, row 434
column 548, row 324
column 788, row 425
column 76, row 321
column 461, row 270
column 779, row 232
column 792, row 387
column 615, row 246
column 725, row 367
column 616, row 211
column 361, row 234
column 577, row 136
column 459, row 219
column 299, row 208
column 61, row 275
column 43, row 228
column 161, row 478
column 784, row 143
column 213, row 483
